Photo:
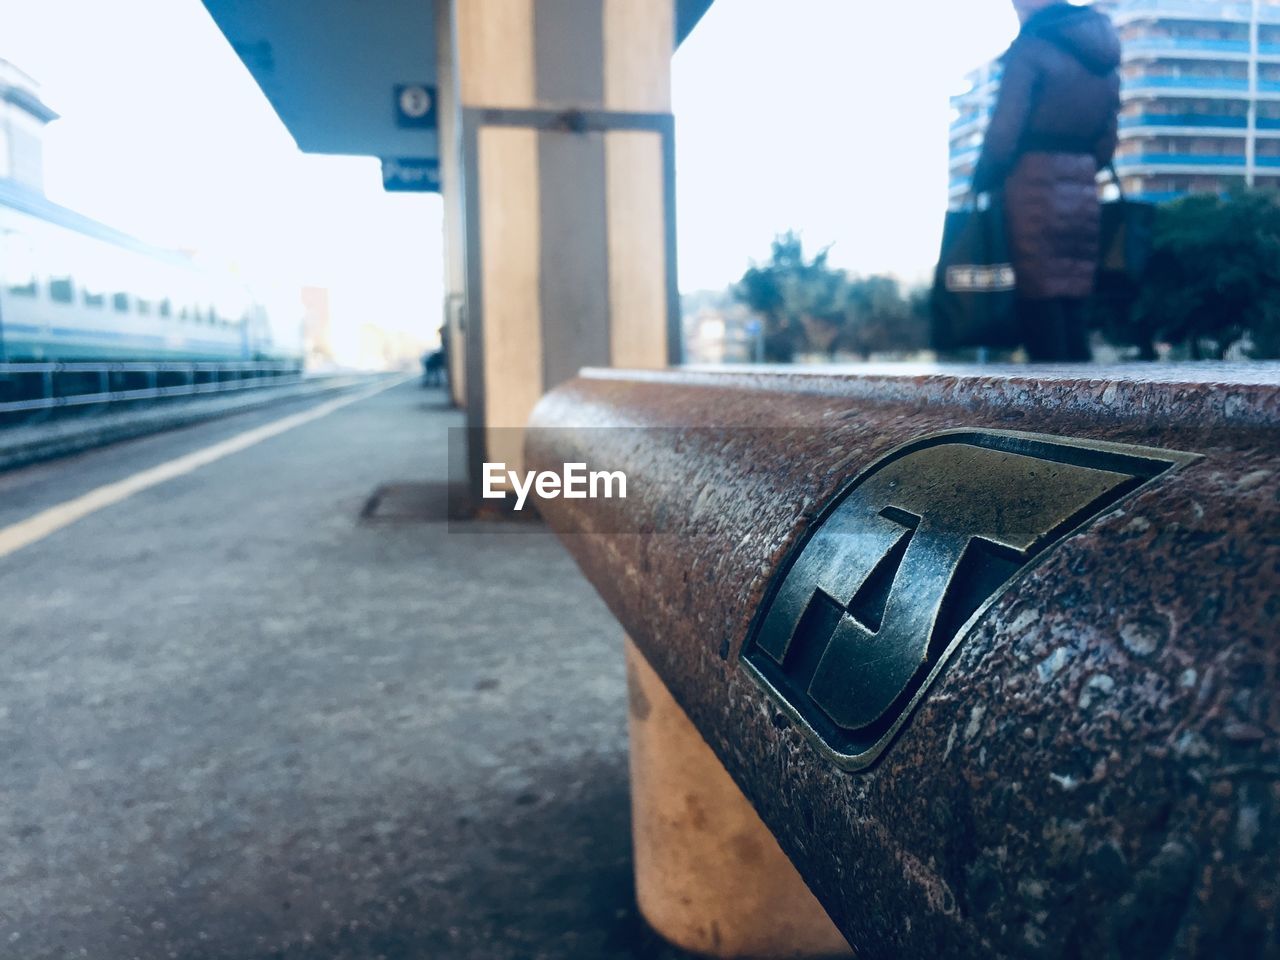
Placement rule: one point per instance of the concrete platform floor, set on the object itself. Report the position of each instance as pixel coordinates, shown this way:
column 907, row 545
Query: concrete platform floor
column 240, row 721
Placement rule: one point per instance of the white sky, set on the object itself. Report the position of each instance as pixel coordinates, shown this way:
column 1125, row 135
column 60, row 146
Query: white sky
column 826, row 116
column 165, row 135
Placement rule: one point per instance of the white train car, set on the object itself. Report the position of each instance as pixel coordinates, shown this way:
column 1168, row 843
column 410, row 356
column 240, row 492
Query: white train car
column 72, row 289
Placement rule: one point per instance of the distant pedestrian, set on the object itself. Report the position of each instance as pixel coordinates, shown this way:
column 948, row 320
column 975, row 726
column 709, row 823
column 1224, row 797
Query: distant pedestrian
column 435, row 363
column 433, row 368
column 1053, row 129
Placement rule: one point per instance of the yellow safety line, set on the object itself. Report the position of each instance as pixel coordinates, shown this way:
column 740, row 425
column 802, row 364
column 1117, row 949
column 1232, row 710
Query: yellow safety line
column 35, row 528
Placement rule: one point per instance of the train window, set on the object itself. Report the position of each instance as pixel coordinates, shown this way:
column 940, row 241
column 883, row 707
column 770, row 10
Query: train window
column 165, row 309
column 61, row 290
column 94, row 299
column 144, row 307
column 23, row 289
column 120, row 301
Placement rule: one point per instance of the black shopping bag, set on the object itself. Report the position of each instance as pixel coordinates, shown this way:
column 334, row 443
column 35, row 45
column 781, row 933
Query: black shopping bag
column 974, row 290
column 1128, row 234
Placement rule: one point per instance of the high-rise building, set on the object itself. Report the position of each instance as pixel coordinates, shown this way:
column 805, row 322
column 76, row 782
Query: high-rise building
column 23, row 116
column 1200, row 92
column 971, row 113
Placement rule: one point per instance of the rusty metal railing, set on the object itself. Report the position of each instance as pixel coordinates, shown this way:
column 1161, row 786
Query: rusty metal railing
column 995, row 656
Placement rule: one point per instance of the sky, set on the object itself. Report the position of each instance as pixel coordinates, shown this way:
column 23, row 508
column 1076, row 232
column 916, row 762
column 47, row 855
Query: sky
column 165, row 135
column 828, row 117
column 824, row 116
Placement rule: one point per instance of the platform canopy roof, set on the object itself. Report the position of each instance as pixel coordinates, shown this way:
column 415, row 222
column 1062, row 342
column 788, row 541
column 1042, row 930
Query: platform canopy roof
column 330, row 68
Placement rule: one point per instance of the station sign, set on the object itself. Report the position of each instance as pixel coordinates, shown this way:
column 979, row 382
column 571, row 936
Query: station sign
column 411, row 175
column 415, row 105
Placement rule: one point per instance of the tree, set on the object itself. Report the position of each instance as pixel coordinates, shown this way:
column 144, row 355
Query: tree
column 1265, row 335
column 796, row 298
column 878, row 319
column 809, row 307
column 1213, row 278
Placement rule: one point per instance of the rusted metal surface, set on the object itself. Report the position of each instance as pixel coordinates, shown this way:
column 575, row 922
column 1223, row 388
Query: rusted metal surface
column 1096, row 771
column 895, row 574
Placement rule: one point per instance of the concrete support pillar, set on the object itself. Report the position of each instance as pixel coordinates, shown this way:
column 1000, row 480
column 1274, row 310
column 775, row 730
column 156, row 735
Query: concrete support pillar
column 453, row 316
column 558, row 191
column 710, row 877
column 639, row 39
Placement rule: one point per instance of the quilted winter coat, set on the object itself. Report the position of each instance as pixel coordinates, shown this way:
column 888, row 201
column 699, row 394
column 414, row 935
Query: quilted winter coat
column 1053, row 128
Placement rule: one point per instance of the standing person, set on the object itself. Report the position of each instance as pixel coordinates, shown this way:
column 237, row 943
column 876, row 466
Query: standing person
column 1053, row 129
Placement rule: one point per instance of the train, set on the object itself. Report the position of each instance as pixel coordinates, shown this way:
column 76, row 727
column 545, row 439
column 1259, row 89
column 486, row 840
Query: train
column 73, row 289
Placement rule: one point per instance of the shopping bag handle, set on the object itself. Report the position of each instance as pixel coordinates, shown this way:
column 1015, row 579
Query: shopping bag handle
column 1115, row 178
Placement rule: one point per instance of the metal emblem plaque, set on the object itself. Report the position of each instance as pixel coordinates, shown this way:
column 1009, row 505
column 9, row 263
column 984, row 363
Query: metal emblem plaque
column 862, row 617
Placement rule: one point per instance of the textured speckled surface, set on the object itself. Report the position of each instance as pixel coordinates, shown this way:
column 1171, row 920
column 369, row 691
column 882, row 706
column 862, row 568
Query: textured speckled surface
column 1096, row 773
column 240, row 722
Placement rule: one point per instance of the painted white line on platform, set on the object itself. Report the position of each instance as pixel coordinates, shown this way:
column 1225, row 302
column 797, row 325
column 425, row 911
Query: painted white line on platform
column 35, row 528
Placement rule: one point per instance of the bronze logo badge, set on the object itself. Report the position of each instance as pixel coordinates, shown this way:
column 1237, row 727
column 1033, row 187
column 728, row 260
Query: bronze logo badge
column 860, row 620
